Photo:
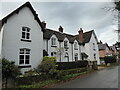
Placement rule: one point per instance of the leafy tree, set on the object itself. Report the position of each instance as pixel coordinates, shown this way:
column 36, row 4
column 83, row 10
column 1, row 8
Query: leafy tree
column 60, row 52
column 9, row 70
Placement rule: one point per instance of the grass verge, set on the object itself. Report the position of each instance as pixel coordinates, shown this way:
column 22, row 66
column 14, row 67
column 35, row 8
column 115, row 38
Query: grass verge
column 50, row 82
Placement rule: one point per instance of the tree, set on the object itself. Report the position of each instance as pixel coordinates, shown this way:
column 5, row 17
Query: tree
column 60, row 51
column 9, row 70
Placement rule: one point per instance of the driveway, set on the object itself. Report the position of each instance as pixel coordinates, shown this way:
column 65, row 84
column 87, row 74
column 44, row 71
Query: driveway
column 107, row 78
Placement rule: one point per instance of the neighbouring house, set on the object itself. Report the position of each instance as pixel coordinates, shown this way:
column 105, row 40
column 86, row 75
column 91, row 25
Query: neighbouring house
column 114, row 51
column 21, row 37
column 83, row 46
column 25, row 40
column 89, row 45
column 104, row 50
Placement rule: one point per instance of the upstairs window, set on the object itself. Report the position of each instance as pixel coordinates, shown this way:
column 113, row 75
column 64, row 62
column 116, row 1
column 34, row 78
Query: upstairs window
column 65, row 44
column 76, row 56
column 25, row 34
column 75, row 46
column 95, row 56
column 24, row 57
column 53, row 42
column 94, row 46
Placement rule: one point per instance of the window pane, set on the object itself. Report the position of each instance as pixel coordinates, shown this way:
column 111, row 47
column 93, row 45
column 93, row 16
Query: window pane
column 52, row 41
column 28, row 36
column 26, row 61
column 23, row 28
column 21, row 62
column 21, row 57
column 23, row 34
column 27, row 51
column 28, row 30
column 21, row 51
column 27, row 57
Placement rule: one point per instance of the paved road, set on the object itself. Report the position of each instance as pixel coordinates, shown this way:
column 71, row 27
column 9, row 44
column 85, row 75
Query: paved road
column 107, row 78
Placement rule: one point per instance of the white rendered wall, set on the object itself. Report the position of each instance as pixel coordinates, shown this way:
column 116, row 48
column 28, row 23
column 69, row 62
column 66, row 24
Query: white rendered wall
column 76, row 51
column 12, row 38
column 1, row 37
column 92, row 51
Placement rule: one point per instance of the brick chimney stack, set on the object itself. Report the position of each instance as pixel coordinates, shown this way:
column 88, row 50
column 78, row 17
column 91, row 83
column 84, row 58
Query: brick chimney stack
column 81, row 35
column 101, row 42
column 60, row 29
column 43, row 24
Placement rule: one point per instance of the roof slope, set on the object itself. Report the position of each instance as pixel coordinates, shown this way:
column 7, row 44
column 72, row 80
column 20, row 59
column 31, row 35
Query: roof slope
column 86, row 36
column 27, row 4
column 103, row 46
column 48, row 33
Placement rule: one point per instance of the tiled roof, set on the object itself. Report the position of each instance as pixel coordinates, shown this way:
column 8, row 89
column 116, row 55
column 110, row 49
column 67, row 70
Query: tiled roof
column 86, row 36
column 48, row 33
column 102, row 46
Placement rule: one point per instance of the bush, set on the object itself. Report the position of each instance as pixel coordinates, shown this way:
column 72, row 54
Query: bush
column 9, row 70
column 110, row 59
column 71, row 65
column 48, row 65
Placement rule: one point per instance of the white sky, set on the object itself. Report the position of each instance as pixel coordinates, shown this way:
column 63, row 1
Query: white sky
column 72, row 16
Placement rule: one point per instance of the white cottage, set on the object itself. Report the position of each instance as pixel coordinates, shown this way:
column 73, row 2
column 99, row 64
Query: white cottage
column 83, row 46
column 57, row 41
column 89, row 45
column 25, row 40
column 21, row 37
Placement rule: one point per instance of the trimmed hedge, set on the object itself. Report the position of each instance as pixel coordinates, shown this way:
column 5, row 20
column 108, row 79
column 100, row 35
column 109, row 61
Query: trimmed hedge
column 110, row 59
column 71, row 65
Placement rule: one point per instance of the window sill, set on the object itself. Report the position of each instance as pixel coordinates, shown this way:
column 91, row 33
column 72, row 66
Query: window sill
column 53, row 46
column 25, row 40
column 24, row 66
column 75, row 49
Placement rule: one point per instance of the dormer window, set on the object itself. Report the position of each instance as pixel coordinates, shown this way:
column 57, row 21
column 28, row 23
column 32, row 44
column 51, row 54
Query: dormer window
column 53, row 42
column 25, row 34
column 75, row 46
column 65, row 44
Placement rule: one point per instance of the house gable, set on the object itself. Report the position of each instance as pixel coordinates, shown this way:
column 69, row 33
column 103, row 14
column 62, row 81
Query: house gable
column 27, row 4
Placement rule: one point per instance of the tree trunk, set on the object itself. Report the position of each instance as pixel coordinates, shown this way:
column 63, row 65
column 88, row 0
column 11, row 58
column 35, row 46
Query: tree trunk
column 6, row 79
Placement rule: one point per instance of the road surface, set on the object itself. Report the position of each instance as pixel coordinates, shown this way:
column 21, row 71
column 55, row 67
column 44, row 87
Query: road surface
column 107, row 78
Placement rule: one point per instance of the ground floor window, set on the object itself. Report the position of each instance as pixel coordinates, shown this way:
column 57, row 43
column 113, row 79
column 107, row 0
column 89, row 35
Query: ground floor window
column 24, row 56
column 66, row 57
column 76, row 56
column 53, row 54
column 95, row 56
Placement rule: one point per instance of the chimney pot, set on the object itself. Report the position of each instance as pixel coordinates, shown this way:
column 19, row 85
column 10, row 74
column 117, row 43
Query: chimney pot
column 43, row 24
column 60, row 29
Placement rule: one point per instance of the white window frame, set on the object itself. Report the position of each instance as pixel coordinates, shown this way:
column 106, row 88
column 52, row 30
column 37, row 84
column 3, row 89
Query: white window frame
column 24, row 53
column 65, row 44
column 25, row 33
column 53, row 41
column 75, row 46
column 76, row 56
column 94, row 47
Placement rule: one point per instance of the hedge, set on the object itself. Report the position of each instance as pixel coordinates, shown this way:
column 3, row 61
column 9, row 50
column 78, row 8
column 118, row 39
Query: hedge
column 110, row 59
column 71, row 65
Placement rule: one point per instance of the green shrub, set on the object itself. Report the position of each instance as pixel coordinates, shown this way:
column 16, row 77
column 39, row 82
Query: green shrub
column 110, row 59
column 47, row 66
column 9, row 70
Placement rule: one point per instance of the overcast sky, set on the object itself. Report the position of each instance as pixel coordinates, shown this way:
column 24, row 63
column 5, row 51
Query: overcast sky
column 74, row 15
